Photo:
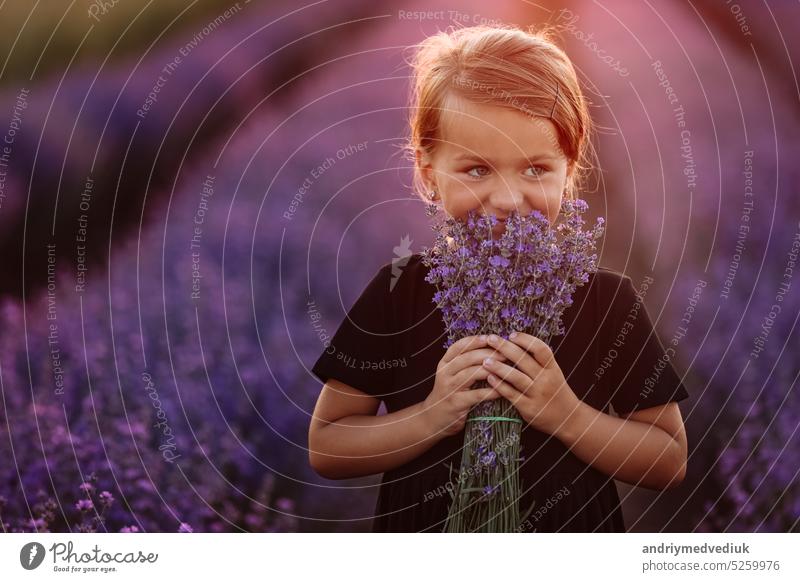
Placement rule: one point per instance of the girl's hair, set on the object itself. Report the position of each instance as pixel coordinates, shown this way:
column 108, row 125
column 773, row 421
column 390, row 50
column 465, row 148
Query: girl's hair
column 506, row 66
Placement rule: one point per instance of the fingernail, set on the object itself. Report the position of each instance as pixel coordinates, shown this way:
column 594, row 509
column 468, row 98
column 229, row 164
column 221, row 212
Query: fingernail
column 488, row 361
column 513, row 335
column 492, row 339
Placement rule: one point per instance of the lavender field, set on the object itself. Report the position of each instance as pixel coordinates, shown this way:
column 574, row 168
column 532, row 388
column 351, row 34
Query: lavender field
column 190, row 201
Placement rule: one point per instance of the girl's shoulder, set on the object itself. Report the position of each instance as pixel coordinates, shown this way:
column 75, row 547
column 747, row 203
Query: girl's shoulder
column 614, row 293
column 405, row 274
column 400, row 281
column 614, row 286
column 606, row 275
column 609, row 280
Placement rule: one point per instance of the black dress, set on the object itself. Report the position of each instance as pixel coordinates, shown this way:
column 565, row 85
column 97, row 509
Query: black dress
column 392, row 339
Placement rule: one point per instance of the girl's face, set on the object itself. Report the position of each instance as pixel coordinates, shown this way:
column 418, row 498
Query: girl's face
column 495, row 160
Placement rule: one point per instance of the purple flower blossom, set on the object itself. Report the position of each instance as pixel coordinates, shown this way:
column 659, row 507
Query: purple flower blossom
column 106, row 498
column 499, row 262
column 489, row 459
column 521, row 282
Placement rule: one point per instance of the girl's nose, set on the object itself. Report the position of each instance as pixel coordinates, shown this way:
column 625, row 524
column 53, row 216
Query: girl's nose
column 507, row 200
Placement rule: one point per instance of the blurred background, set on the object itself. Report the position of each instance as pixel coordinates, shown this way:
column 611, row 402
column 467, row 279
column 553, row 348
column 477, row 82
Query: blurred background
column 193, row 194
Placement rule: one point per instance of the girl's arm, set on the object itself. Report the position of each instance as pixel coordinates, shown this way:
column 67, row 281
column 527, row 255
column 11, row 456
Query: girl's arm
column 347, row 440
column 647, row 448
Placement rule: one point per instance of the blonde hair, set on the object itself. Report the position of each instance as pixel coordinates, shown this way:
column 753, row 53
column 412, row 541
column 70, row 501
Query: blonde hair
column 506, row 66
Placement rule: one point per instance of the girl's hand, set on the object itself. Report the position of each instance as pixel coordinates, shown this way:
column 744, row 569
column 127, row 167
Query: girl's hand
column 535, row 385
column 451, row 399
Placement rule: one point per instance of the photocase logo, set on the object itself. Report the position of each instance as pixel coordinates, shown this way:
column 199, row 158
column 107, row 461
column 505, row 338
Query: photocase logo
column 31, row 555
column 402, row 253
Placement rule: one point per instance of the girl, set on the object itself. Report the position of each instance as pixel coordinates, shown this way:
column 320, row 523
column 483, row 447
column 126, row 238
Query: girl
column 498, row 122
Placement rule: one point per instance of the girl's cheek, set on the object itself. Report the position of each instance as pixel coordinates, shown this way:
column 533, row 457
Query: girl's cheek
column 465, row 195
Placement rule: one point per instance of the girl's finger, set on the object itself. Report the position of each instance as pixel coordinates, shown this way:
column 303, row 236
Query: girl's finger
column 519, row 380
column 468, row 376
column 516, row 355
column 465, row 343
column 474, row 357
column 541, row 352
column 473, row 397
column 505, row 390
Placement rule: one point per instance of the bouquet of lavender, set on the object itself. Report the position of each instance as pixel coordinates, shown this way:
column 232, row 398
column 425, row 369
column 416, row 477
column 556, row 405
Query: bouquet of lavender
column 520, row 281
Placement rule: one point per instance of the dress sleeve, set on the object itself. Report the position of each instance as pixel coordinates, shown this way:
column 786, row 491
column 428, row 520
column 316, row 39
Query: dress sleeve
column 362, row 351
column 636, row 367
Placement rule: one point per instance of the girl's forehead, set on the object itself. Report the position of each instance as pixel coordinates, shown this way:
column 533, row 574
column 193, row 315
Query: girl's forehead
column 502, row 131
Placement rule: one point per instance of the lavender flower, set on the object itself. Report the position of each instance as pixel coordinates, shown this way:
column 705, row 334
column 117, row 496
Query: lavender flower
column 491, row 490
column 489, row 460
column 106, row 499
column 521, row 281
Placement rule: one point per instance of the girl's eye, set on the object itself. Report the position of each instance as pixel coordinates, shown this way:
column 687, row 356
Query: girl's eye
column 538, row 170
column 478, row 171
column 482, row 171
